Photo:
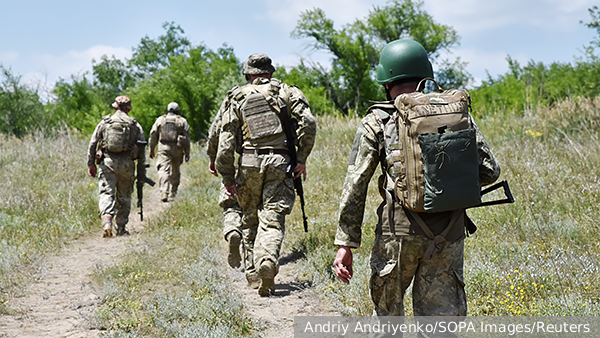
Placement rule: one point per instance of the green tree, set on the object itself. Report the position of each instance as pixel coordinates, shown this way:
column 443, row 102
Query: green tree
column 194, row 80
column 111, row 77
column 78, row 103
column 20, row 108
column 154, row 54
column 355, row 49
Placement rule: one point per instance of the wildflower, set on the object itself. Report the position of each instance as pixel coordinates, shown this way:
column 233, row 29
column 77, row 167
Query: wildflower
column 533, row 133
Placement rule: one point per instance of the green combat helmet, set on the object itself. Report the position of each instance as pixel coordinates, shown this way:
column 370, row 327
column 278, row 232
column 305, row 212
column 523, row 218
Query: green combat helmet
column 403, row 59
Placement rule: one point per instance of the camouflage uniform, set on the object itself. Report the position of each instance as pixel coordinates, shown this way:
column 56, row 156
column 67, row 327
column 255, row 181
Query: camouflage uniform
column 116, row 173
column 232, row 212
column 265, row 191
column 170, row 153
column 397, row 259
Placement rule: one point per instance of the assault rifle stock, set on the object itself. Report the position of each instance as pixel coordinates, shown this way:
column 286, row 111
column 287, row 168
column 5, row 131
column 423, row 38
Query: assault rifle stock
column 141, row 178
column 291, row 144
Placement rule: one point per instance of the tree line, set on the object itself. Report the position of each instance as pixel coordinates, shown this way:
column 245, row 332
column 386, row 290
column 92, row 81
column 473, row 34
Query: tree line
column 170, row 68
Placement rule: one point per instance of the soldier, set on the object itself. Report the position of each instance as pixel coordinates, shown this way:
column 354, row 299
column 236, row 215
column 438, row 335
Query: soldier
column 113, row 147
column 263, row 188
column 172, row 134
column 400, row 256
column 232, row 212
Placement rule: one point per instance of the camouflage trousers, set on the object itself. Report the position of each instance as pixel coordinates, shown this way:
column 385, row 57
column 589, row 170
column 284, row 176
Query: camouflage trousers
column 232, row 213
column 438, row 284
column 116, row 176
column 266, row 195
column 168, row 162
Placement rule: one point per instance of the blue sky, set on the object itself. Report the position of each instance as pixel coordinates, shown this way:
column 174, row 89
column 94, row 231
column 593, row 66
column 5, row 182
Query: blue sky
column 46, row 40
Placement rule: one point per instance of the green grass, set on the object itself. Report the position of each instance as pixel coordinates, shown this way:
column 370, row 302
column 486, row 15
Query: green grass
column 538, row 256
column 46, row 199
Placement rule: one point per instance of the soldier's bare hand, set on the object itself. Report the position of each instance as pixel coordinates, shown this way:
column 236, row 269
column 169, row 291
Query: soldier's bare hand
column 187, row 157
column 343, row 264
column 231, row 191
column 300, row 170
column 92, row 170
column 211, row 168
column 151, row 154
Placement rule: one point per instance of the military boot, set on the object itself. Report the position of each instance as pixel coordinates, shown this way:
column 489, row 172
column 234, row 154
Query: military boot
column 234, row 258
column 106, row 226
column 121, row 230
column 164, row 197
column 266, row 272
column 253, row 280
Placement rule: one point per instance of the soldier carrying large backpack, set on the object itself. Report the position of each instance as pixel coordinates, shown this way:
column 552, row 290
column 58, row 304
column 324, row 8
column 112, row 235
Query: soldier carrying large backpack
column 114, row 149
column 434, row 160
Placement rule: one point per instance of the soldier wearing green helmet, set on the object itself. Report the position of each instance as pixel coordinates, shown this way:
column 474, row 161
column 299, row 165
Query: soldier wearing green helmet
column 402, row 253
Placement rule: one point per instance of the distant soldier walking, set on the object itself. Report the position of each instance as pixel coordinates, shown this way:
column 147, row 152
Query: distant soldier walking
column 171, row 133
column 262, row 184
column 232, row 212
column 114, row 148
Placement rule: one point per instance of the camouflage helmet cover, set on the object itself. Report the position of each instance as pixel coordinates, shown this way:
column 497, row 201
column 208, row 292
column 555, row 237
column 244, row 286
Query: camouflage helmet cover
column 173, row 107
column 121, row 101
column 258, row 64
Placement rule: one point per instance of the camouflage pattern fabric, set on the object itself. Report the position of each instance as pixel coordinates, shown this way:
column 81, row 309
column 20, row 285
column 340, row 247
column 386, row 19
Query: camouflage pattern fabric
column 266, row 195
column 169, row 156
column 232, row 123
column 367, row 153
column 265, row 192
column 116, row 175
column 438, row 284
column 232, row 213
column 396, row 260
column 168, row 163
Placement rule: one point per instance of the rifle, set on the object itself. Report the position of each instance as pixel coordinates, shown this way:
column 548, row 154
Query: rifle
column 141, row 178
column 291, row 144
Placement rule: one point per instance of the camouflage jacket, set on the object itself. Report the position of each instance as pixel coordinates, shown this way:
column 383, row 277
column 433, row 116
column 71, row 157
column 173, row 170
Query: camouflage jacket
column 182, row 126
column 97, row 136
column 367, row 153
column 232, row 123
column 212, row 142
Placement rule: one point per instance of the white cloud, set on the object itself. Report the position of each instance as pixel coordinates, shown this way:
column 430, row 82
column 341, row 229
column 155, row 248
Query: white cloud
column 478, row 16
column 73, row 62
column 287, row 12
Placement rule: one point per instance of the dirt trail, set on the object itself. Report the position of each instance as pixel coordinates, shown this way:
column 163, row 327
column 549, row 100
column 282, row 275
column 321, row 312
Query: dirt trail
column 60, row 301
column 275, row 314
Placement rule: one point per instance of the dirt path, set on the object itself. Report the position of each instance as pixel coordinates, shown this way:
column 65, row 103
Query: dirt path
column 275, row 314
column 58, row 302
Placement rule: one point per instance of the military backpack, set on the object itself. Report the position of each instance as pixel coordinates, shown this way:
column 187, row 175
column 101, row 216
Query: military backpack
column 431, row 150
column 118, row 133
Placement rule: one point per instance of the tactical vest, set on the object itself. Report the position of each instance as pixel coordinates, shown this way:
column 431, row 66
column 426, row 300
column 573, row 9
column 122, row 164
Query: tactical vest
column 169, row 130
column 431, row 151
column 261, row 127
column 118, row 135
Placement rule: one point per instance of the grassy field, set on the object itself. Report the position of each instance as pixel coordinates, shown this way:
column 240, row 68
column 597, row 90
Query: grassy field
column 538, row 256
column 45, row 200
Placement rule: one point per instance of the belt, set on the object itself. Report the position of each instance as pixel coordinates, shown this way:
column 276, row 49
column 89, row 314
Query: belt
column 265, row 151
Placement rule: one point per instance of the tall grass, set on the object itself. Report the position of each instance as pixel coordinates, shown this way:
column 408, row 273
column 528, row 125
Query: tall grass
column 177, row 285
column 538, row 256
column 45, row 199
